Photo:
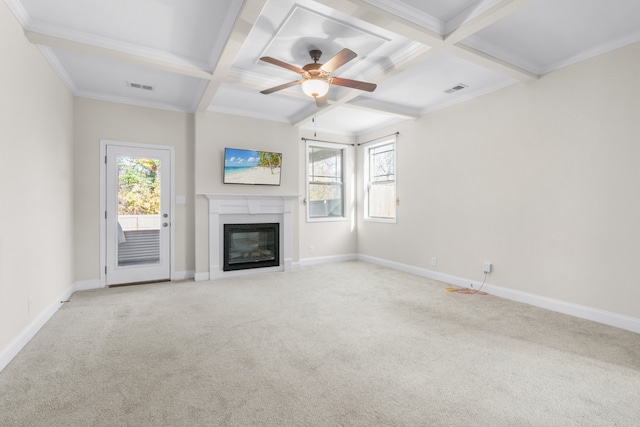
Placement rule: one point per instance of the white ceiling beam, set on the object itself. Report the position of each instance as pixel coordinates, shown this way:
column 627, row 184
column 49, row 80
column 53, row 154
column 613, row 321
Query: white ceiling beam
column 247, row 18
column 484, row 19
column 492, row 63
column 117, row 55
column 373, row 106
column 493, row 14
column 379, row 17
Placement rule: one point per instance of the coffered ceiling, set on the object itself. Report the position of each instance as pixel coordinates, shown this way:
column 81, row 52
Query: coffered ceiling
column 424, row 55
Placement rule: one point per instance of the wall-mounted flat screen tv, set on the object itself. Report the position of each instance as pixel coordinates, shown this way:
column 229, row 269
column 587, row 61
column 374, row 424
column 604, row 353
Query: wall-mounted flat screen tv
column 251, row 167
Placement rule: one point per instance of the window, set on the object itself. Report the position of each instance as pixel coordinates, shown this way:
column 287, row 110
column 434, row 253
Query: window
column 380, row 180
column 325, row 179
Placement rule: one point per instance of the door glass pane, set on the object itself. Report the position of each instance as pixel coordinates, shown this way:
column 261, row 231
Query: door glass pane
column 139, row 219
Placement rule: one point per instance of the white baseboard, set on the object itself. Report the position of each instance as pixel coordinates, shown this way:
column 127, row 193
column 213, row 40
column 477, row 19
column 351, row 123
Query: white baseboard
column 87, row 285
column 184, row 275
column 32, row 329
column 305, row 262
column 201, row 277
column 596, row 315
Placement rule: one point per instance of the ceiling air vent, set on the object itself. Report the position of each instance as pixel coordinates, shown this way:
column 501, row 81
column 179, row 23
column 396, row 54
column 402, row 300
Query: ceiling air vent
column 456, row 88
column 139, row 86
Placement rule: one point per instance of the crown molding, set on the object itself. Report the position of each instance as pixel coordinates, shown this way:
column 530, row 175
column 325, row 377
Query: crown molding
column 592, row 52
column 51, row 57
column 15, row 6
column 129, row 101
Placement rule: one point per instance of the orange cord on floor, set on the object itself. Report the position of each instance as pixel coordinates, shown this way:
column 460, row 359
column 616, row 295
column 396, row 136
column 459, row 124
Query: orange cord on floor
column 464, row 291
column 469, row 291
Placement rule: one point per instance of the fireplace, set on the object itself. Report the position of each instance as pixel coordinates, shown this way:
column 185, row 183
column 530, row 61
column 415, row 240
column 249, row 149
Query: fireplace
column 248, row 209
column 253, row 245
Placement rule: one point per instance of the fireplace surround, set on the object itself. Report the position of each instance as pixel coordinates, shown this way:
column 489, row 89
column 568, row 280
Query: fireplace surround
column 249, row 209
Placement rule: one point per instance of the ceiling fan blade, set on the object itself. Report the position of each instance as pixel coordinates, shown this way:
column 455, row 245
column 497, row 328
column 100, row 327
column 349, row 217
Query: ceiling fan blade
column 321, row 101
column 341, row 58
column 282, row 64
column 355, row 84
column 282, row 86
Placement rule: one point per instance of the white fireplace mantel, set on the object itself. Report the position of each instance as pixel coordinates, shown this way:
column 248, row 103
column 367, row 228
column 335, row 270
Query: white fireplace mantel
column 246, row 209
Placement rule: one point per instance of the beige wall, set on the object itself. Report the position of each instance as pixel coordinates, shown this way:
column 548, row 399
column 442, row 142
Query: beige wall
column 214, row 132
column 36, row 179
column 96, row 120
column 540, row 179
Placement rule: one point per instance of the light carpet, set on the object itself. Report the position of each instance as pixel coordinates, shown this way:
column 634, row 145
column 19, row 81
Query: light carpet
column 344, row 344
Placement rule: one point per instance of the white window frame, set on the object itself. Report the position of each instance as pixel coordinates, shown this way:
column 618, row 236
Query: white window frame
column 366, row 178
column 345, row 183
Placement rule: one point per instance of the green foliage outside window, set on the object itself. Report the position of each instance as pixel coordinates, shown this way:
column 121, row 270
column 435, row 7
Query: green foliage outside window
column 138, row 186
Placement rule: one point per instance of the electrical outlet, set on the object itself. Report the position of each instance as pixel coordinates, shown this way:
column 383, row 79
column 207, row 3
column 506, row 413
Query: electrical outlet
column 434, row 261
column 486, row 267
column 311, row 249
column 29, row 305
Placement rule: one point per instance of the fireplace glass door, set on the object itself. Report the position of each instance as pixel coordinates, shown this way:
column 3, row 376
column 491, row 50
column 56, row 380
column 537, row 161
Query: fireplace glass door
column 251, row 246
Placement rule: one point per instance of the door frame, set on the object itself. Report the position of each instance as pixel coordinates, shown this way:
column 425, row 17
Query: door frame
column 103, row 203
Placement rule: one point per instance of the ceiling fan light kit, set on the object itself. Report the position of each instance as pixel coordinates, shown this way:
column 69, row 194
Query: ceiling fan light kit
column 315, row 87
column 316, row 81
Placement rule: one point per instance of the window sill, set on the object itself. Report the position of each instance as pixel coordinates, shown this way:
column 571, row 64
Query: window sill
column 327, row 219
column 382, row 220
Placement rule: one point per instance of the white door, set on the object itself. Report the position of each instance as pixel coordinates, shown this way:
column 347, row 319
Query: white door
column 138, row 214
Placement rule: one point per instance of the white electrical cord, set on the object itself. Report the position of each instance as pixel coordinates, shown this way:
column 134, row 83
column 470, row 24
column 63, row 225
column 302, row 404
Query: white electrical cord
column 483, row 280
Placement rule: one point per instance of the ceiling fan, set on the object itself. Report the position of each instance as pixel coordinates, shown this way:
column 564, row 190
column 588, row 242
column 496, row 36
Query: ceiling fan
column 316, row 77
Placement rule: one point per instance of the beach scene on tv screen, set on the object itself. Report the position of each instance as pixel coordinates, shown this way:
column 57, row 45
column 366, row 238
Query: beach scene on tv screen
column 251, row 167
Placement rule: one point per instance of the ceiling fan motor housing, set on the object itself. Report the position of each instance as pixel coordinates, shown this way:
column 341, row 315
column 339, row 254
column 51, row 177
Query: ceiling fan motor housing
column 315, row 54
column 314, row 71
